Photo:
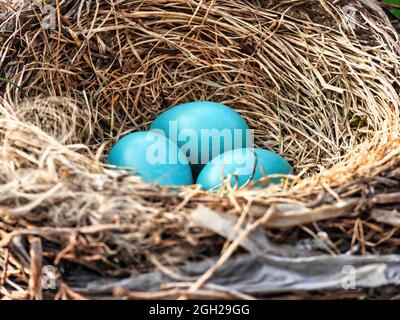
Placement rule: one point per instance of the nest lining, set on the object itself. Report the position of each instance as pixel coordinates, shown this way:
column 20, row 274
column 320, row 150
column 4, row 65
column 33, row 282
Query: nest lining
column 323, row 95
column 307, row 91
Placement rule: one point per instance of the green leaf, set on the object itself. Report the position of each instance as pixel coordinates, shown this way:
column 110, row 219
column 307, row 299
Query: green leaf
column 396, row 12
column 391, row 1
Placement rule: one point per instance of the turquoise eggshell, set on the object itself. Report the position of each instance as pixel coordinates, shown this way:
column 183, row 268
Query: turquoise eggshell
column 241, row 163
column 202, row 130
column 153, row 157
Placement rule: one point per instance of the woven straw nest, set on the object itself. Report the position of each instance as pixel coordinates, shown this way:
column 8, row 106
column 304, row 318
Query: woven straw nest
column 316, row 80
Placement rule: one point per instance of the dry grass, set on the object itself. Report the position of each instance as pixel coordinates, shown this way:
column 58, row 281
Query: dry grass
column 321, row 88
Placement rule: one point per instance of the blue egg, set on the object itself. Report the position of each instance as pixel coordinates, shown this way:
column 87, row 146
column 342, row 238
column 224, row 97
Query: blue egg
column 243, row 164
column 153, row 157
column 203, row 130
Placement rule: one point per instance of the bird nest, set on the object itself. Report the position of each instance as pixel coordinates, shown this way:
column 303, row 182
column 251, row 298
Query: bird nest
column 317, row 81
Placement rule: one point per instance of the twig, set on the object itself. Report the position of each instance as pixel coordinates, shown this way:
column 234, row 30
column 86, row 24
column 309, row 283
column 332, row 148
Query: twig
column 232, row 248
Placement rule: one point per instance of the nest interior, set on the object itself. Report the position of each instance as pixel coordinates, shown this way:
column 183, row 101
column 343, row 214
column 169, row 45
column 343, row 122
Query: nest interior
column 307, row 91
column 316, row 81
